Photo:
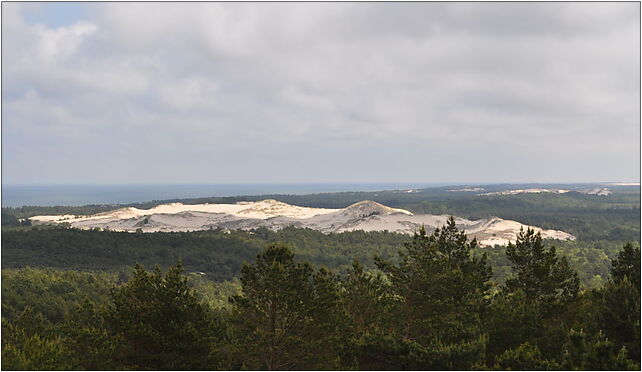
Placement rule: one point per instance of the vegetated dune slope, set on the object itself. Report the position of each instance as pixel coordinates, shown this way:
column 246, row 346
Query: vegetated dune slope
column 365, row 215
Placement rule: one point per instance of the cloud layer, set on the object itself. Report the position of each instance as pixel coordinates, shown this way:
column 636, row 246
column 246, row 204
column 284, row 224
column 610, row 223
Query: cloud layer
column 320, row 92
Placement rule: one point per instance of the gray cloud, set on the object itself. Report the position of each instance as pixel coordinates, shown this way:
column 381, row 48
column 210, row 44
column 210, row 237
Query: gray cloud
column 322, row 92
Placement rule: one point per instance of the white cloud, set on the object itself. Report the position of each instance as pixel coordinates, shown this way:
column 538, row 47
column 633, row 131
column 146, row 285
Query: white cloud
column 296, row 96
column 411, row 79
column 63, row 42
column 192, row 93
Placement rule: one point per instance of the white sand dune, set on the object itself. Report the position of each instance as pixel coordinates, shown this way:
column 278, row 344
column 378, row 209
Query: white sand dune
column 527, row 191
column 600, row 191
column 262, row 209
column 624, row 183
column 365, row 215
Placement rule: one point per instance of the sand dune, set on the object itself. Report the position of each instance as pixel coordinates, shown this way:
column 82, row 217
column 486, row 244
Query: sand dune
column 261, row 209
column 624, row 183
column 365, row 215
column 527, row 191
column 600, row 191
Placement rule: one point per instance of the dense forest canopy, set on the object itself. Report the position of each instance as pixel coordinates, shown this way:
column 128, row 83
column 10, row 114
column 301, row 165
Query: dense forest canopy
column 220, row 253
column 432, row 306
column 370, row 299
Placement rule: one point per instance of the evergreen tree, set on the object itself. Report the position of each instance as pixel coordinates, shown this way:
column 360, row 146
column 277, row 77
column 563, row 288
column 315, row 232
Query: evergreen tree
column 286, row 314
column 35, row 353
column 86, row 337
column 526, row 357
column 161, row 323
column 583, row 352
column 547, row 282
column 443, row 291
column 31, row 343
column 368, row 300
column 512, row 320
column 627, row 264
column 619, row 315
column 369, row 303
column 539, row 272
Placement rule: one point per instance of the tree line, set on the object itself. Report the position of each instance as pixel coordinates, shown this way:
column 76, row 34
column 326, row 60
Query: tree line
column 615, row 217
column 432, row 307
column 220, row 254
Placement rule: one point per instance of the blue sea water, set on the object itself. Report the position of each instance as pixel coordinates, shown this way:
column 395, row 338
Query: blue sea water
column 74, row 195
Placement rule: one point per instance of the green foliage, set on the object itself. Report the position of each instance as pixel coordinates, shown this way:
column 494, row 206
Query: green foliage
column 627, row 265
column 525, row 357
column 214, row 294
column 9, row 219
column 379, row 351
column 368, row 300
column 218, row 254
column 549, row 284
column 615, row 217
column 90, row 344
column 29, row 343
column 161, row 322
column 382, row 351
column 512, row 320
column 285, row 315
column 433, row 308
column 50, row 292
column 35, row 353
column 594, row 353
column 443, row 291
column 462, row 355
column 539, row 272
column 619, row 304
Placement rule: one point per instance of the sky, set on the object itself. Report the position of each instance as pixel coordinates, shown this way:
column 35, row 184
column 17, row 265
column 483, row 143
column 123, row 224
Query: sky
column 109, row 93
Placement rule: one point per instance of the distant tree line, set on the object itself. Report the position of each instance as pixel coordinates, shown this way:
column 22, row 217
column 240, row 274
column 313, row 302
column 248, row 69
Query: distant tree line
column 615, row 217
column 221, row 253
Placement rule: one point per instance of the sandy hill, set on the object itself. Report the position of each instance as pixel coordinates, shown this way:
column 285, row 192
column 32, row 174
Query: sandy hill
column 366, row 215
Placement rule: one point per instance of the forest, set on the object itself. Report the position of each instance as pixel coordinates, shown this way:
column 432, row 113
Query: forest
column 432, row 305
column 220, row 253
column 300, row 299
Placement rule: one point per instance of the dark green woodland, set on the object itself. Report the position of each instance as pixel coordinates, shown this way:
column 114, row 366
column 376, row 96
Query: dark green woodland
column 297, row 299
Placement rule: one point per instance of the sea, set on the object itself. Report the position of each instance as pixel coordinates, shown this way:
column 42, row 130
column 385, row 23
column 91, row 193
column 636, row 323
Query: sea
column 75, row 195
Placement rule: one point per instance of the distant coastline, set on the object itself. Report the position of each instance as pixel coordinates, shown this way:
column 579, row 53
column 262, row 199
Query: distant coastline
column 77, row 195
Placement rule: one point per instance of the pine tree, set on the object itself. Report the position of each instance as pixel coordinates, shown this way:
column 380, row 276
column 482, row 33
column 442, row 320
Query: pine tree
column 31, row 343
column 286, row 315
column 627, row 264
column 443, row 291
column 539, row 272
column 161, row 322
column 368, row 303
column 368, row 300
column 512, row 320
column 525, row 357
column 619, row 315
column 585, row 352
column 547, row 282
column 89, row 341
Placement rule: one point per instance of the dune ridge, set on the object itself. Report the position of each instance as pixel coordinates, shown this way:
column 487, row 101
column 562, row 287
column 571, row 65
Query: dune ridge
column 365, row 215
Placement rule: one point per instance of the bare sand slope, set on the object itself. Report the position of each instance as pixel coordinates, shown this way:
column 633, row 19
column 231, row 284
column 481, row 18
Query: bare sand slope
column 261, row 210
column 365, row 215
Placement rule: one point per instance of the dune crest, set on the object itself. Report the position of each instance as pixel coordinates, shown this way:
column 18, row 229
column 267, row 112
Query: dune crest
column 365, row 215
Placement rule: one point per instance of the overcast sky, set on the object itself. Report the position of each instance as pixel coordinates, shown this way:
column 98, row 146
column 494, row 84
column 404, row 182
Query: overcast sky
column 320, row 92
